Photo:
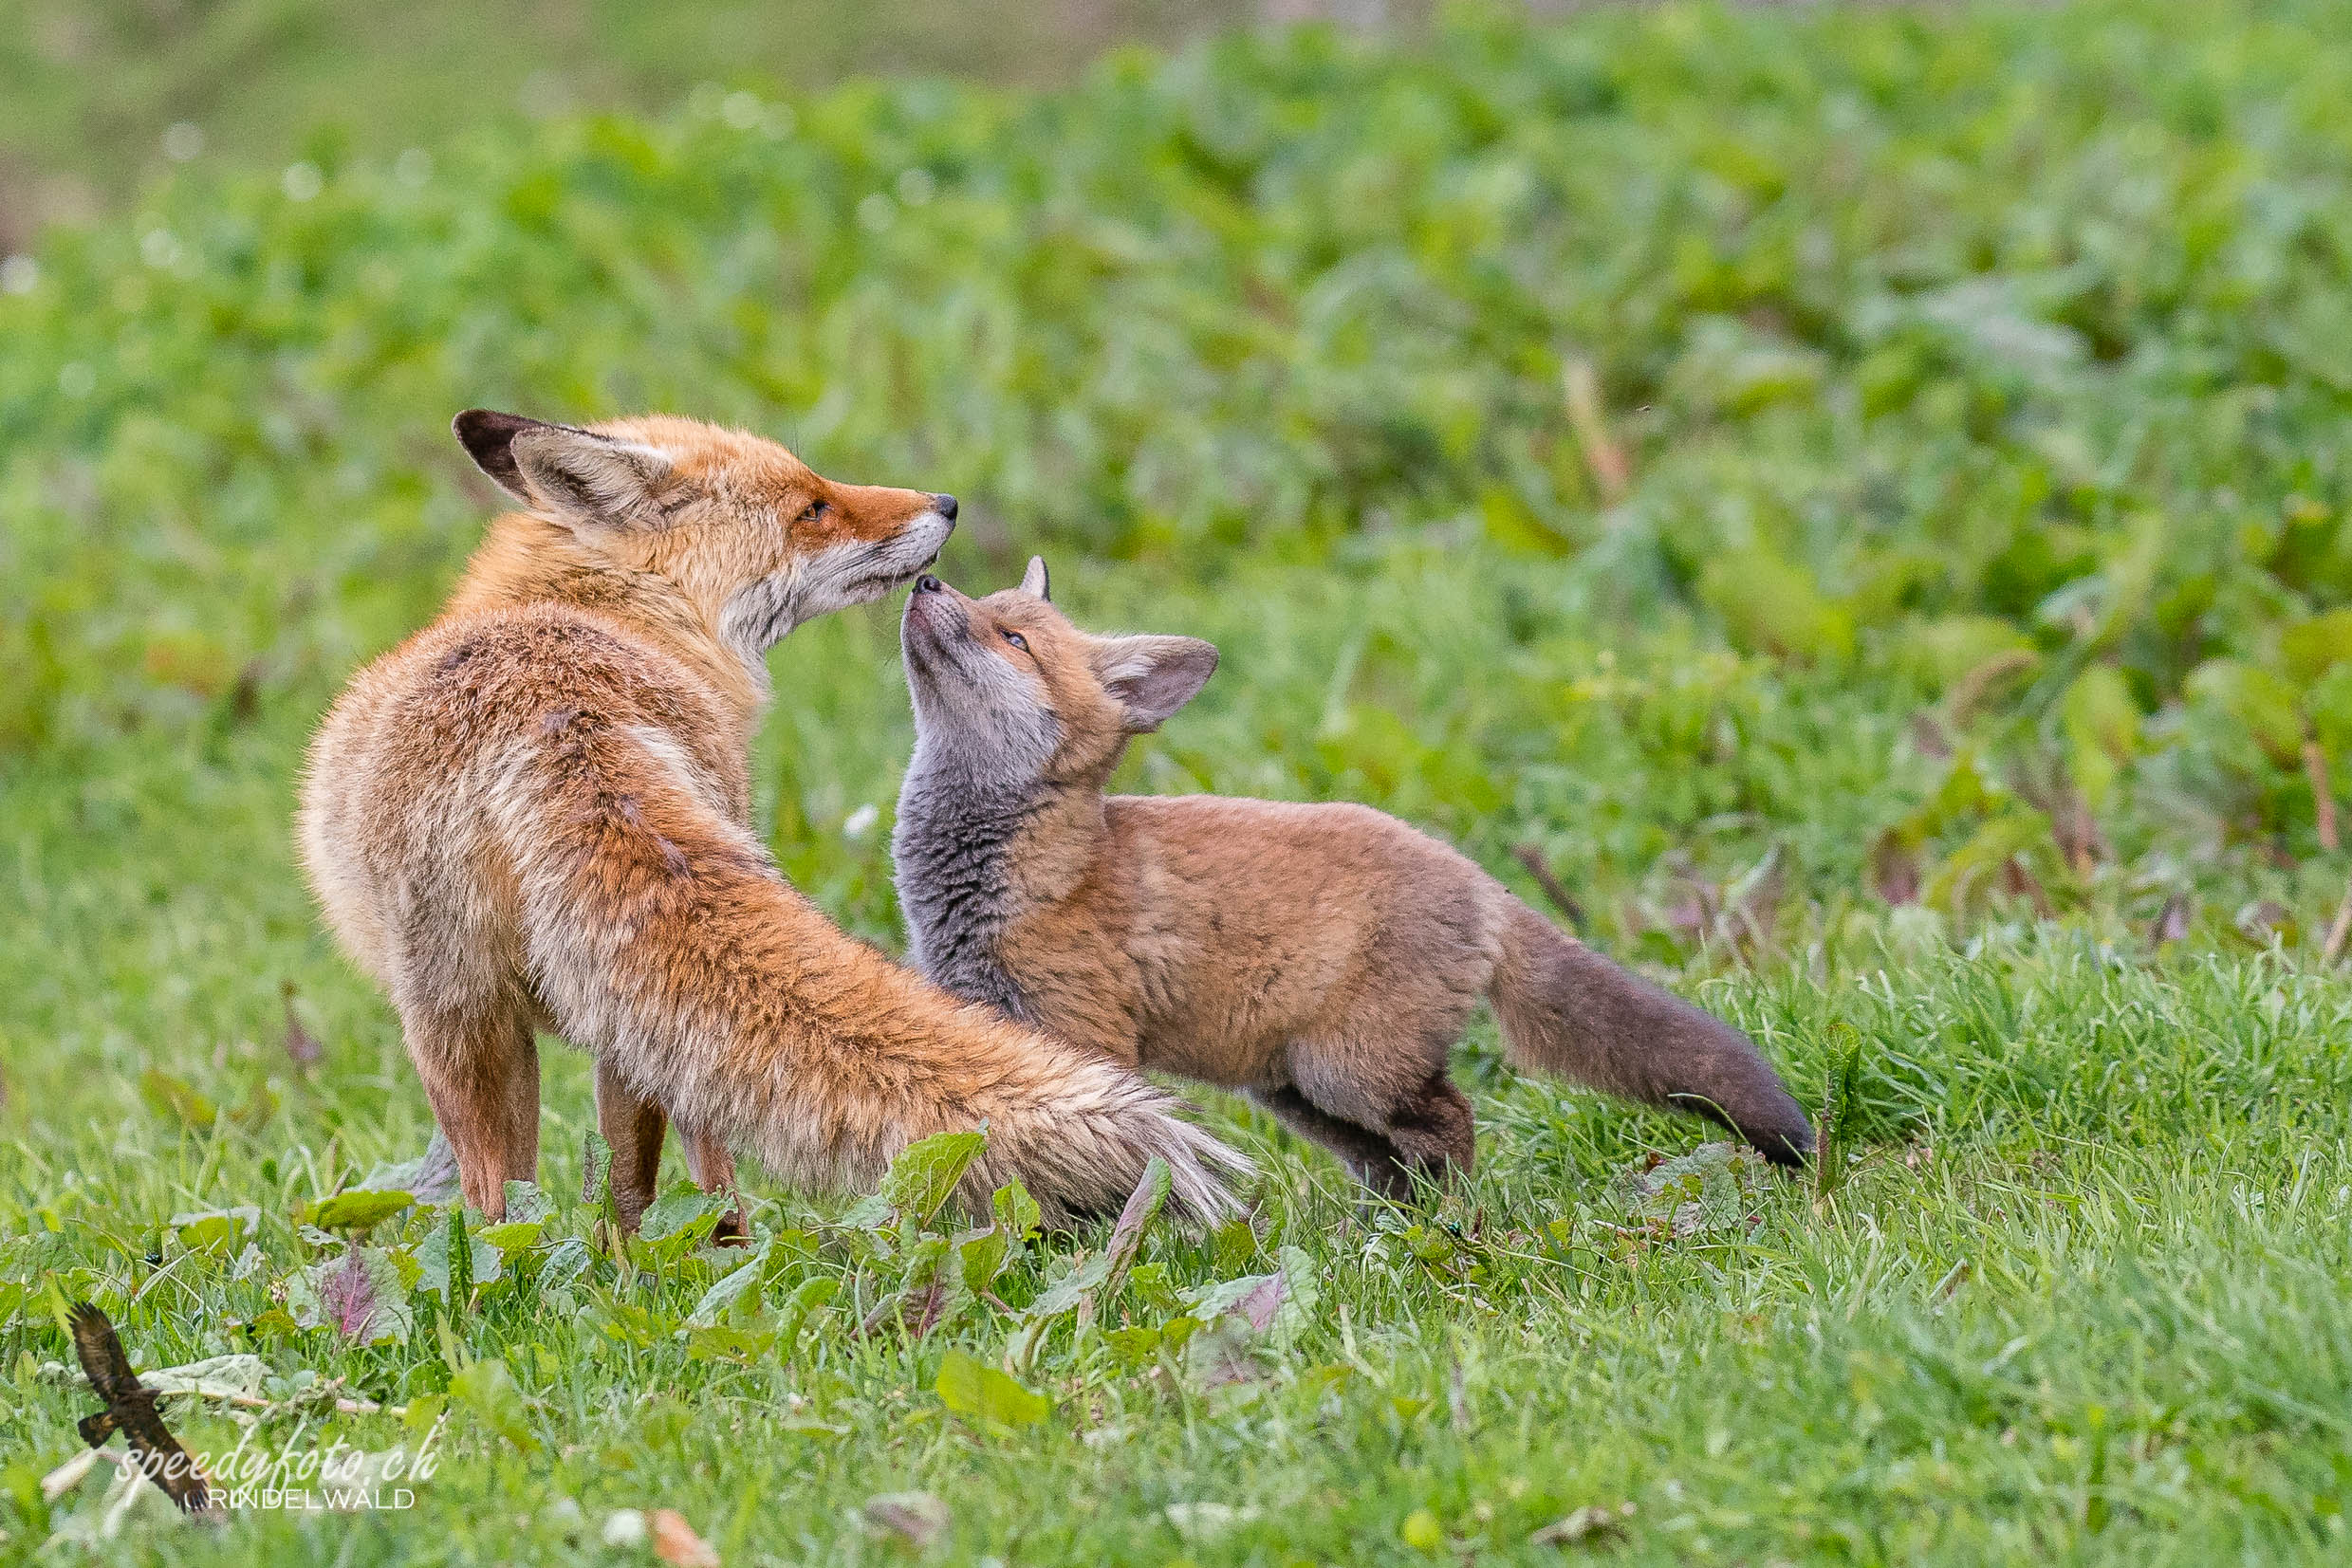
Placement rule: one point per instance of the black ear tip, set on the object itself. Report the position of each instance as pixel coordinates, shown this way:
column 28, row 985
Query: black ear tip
column 488, row 436
column 479, row 427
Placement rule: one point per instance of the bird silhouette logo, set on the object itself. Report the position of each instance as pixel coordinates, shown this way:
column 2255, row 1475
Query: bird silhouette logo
column 131, row 1410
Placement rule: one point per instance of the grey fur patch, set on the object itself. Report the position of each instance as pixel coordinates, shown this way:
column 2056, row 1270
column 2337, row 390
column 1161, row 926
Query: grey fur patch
column 982, row 739
column 950, row 850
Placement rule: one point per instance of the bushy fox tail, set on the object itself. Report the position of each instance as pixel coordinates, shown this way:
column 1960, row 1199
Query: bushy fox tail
column 662, row 940
column 1565, row 1009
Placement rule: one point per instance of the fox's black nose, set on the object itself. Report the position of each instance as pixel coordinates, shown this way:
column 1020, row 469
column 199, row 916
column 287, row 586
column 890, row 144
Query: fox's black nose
column 928, row 584
column 946, row 504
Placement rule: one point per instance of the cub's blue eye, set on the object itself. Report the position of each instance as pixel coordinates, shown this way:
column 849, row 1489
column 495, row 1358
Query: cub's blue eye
column 1018, row 640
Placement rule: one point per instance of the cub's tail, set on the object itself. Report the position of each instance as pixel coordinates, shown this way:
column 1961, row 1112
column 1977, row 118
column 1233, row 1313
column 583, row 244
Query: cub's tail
column 1567, row 1010
column 662, row 940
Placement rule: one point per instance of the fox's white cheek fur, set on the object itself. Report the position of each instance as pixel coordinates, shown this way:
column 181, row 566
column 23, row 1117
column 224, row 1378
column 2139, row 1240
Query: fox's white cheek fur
column 759, row 615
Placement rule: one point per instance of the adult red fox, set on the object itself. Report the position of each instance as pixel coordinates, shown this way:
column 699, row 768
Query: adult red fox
column 1322, row 958
column 534, row 815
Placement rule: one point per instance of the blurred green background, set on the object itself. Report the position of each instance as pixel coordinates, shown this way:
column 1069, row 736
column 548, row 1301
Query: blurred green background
column 94, row 89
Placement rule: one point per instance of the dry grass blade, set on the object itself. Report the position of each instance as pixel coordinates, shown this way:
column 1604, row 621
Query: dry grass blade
column 1562, row 899
column 1612, row 471
column 300, row 1044
column 2338, row 930
column 2323, row 794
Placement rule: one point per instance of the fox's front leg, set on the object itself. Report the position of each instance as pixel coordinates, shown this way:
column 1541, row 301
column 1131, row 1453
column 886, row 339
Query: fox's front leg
column 634, row 1128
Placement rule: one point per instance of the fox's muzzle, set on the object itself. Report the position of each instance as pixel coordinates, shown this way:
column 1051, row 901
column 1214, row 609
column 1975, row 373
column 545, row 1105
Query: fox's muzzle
column 934, row 614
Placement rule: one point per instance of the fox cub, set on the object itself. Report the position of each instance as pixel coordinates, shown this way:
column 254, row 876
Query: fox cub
column 1322, row 958
column 535, row 816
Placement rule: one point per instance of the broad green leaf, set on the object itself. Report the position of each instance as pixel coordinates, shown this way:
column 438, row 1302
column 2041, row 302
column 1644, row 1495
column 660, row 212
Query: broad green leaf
column 513, row 1236
column 925, row 1175
column 982, row 1256
column 357, row 1294
column 430, row 1178
column 1056, row 1301
column 1303, row 1292
column 1211, row 1302
column 2328, row 703
column 2017, row 830
column 1939, row 652
column 566, row 1262
column 2103, row 731
column 487, row 1389
column 359, row 1210
column 871, row 1212
column 2255, row 698
column 525, row 1204
column 809, row 1299
column 983, row 1394
column 2310, row 648
column 481, row 1263
column 175, row 1099
column 676, row 1210
column 216, row 1230
column 1017, row 1213
column 1515, row 526
column 1073, row 1288
column 725, row 1292
column 1769, row 606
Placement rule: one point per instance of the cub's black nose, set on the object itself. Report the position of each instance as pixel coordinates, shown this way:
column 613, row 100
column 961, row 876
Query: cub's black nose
column 928, row 584
column 946, row 504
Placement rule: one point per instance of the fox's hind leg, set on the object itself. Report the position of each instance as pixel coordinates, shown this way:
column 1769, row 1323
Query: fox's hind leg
column 1428, row 1137
column 1368, row 1155
column 1380, row 1073
column 1431, row 1128
column 713, row 1166
column 635, row 1129
column 481, row 1072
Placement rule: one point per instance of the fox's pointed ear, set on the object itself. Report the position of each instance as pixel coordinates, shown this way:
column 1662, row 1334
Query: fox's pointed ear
column 489, row 439
column 1034, row 581
column 587, row 481
column 1150, row 677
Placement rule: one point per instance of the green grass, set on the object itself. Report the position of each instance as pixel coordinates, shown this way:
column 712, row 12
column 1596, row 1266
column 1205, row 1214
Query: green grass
column 1933, row 701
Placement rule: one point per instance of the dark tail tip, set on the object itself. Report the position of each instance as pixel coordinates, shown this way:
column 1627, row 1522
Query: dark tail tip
column 1790, row 1153
column 1780, row 1133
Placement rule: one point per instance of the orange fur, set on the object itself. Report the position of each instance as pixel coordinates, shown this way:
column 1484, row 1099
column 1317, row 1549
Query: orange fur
column 1322, row 957
column 533, row 815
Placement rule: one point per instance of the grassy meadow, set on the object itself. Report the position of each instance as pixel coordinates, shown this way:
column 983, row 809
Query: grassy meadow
column 1860, row 498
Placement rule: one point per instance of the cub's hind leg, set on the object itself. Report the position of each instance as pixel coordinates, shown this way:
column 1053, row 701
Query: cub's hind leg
column 1431, row 1129
column 1369, row 1157
column 1381, row 1074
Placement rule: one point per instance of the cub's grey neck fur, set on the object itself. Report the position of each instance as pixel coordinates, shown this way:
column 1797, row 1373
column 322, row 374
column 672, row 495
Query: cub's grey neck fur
column 950, row 850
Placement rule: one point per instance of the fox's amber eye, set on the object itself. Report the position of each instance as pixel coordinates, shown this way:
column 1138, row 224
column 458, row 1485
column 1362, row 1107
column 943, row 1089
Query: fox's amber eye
column 1018, row 640
column 811, row 513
